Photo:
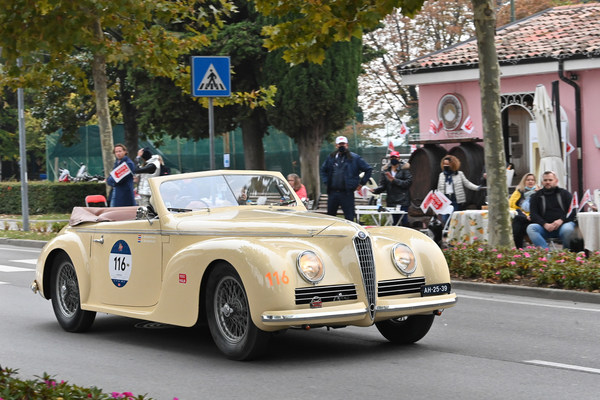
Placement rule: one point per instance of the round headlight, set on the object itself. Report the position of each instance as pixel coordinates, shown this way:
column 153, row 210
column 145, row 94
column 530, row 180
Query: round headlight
column 310, row 267
column 404, row 259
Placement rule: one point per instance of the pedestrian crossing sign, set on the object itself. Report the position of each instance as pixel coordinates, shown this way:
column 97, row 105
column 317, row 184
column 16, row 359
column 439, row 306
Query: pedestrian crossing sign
column 211, row 76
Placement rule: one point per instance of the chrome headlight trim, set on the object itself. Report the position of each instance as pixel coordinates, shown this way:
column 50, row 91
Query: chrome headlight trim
column 404, row 259
column 310, row 267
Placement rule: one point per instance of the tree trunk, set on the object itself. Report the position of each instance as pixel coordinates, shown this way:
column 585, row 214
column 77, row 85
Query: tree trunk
column 105, row 127
column 309, row 146
column 252, row 134
column 489, row 82
column 129, row 112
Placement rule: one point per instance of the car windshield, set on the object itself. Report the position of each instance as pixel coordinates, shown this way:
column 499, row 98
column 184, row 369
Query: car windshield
column 188, row 194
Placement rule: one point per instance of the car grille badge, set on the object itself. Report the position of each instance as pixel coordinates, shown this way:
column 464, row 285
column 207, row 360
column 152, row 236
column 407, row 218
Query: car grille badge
column 316, row 302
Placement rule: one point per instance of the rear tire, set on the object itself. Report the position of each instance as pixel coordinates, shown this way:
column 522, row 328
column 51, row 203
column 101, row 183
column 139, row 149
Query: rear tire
column 66, row 300
column 229, row 318
column 405, row 331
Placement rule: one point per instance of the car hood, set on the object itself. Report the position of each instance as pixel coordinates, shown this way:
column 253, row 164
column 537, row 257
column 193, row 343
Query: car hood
column 266, row 222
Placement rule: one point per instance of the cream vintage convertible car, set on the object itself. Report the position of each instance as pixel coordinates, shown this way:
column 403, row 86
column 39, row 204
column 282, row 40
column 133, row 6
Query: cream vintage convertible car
column 239, row 251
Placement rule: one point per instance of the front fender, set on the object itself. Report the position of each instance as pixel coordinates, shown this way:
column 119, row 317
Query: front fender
column 253, row 261
column 431, row 262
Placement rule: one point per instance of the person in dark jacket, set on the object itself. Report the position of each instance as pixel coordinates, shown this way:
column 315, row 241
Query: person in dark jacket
column 122, row 191
column 395, row 181
column 340, row 173
column 548, row 212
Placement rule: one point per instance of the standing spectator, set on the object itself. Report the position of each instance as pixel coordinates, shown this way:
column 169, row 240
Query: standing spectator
column 122, row 191
column 341, row 175
column 519, row 202
column 150, row 169
column 452, row 183
column 548, row 212
column 395, row 181
column 299, row 188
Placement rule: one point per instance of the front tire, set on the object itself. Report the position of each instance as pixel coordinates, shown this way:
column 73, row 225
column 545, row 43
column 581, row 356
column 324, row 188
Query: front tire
column 229, row 318
column 405, row 330
column 66, row 300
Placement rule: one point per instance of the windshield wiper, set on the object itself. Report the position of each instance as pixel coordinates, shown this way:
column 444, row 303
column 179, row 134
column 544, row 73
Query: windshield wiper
column 179, row 209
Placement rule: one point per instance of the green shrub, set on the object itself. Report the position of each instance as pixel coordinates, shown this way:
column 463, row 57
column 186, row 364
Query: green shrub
column 47, row 197
column 557, row 268
column 47, row 388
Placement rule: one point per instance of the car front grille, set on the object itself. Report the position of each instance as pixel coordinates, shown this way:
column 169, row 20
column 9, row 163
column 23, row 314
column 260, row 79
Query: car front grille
column 325, row 293
column 395, row 287
column 364, row 253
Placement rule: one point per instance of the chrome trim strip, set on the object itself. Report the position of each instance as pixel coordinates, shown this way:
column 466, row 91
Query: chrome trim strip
column 417, row 305
column 198, row 233
column 248, row 234
column 119, row 231
column 313, row 316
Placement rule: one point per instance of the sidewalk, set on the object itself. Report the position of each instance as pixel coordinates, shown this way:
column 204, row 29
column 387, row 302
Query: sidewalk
column 541, row 293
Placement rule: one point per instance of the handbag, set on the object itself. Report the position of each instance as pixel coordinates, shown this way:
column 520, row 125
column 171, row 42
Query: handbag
column 576, row 243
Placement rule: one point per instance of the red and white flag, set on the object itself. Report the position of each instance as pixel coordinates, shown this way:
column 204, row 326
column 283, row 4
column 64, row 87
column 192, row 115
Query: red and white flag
column 433, row 127
column 391, row 146
column 586, row 198
column 440, row 126
column 468, row 125
column 569, row 148
column 438, row 202
column 120, row 172
column 574, row 204
column 404, row 129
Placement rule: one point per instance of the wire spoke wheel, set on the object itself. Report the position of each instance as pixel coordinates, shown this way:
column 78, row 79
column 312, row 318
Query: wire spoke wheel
column 67, row 290
column 231, row 309
column 229, row 317
column 66, row 299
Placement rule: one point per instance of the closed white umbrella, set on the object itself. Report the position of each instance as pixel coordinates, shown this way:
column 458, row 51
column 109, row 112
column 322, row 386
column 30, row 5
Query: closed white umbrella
column 549, row 143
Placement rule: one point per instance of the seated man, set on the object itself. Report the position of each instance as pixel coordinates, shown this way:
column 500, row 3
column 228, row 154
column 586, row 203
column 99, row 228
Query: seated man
column 548, row 213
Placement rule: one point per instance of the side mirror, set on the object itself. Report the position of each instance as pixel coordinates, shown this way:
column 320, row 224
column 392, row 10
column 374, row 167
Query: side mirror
column 146, row 213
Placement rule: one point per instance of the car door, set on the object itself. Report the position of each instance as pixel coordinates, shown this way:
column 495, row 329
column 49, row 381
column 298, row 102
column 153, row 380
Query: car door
column 125, row 261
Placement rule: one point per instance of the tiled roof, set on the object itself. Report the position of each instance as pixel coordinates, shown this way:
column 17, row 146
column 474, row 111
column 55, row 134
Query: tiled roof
column 565, row 32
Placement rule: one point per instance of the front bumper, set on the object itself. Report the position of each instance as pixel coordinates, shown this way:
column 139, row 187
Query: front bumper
column 356, row 313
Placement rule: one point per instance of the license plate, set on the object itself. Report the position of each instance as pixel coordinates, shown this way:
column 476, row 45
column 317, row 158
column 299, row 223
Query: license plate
column 435, row 290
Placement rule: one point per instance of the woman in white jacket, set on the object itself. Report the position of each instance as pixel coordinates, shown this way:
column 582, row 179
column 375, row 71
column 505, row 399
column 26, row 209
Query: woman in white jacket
column 453, row 182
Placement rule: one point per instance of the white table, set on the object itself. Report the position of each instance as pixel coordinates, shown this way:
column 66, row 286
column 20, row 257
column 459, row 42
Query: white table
column 468, row 226
column 376, row 215
column 589, row 223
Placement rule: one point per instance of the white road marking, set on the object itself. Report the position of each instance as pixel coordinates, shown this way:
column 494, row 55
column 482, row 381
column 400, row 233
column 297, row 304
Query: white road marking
column 31, row 261
column 8, row 268
column 563, row 366
column 528, row 303
column 20, row 249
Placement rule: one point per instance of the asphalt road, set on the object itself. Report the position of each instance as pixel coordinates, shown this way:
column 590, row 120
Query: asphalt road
column 490, row 346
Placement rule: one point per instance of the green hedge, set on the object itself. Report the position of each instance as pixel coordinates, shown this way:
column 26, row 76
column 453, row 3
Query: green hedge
column 47, row 197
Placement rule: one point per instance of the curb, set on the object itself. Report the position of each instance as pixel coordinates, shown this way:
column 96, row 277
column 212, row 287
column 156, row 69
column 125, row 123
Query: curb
column 540, row 293
column 24, row 242
column 527, row 291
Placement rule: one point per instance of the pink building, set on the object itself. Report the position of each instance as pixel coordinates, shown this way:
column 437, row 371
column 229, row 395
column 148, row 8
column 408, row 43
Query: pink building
column 558, row 48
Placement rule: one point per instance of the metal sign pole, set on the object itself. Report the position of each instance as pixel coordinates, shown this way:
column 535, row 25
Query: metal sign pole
column 211, row 77
column 211, row 132
column 23, row 156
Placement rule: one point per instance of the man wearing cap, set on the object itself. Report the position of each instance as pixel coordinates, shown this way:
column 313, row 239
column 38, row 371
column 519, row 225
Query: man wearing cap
column 395, row 181
column 341, row 175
